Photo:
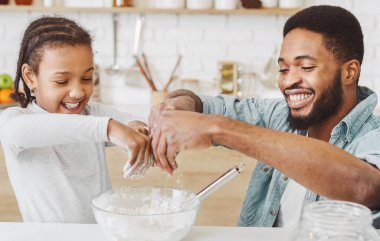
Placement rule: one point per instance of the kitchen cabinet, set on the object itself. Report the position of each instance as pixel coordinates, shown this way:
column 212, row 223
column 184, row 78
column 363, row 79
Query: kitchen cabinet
column 271, row 11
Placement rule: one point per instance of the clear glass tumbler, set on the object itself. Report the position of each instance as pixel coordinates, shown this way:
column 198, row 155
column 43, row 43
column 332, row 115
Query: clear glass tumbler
column 335, row 221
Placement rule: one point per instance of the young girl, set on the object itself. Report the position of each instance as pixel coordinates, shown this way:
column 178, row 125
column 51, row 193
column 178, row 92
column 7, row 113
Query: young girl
column 54, row 143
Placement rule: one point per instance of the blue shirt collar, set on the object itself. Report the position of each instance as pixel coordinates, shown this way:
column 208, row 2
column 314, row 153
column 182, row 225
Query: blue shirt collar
column 358, row 115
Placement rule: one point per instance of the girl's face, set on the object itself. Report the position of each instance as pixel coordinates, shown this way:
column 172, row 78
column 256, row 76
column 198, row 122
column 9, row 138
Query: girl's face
column 64, row 82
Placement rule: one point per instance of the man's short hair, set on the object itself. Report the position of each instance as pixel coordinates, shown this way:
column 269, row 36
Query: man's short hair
column 340, row 29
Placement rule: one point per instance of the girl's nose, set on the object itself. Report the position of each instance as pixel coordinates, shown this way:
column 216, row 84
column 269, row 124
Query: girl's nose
column 76, row 92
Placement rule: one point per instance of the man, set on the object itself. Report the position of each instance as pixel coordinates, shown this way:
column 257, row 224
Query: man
column 320, row 142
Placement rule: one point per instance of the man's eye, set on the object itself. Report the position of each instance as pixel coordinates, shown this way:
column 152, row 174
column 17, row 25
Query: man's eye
column 308, row 68
column 283, row 70
column 61, row 82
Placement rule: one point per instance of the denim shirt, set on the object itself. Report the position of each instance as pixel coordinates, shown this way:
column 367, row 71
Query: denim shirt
column 358, row 133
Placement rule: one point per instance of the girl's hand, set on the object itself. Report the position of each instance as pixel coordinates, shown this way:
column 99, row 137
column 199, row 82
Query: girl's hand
column 139, row 126
column 132, row 138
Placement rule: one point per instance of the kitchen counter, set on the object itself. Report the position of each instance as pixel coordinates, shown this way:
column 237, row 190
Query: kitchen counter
column 93, row 232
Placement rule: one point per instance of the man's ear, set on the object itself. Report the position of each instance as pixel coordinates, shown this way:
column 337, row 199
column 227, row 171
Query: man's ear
column 29, row 76
column 350, row 72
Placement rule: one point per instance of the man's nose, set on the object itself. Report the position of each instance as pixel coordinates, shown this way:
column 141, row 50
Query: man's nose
column 293, row 77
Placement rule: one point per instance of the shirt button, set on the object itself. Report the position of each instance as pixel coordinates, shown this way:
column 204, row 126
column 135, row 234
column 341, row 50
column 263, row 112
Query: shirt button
column 345, row 139
column 273, row 212
column 285, row 178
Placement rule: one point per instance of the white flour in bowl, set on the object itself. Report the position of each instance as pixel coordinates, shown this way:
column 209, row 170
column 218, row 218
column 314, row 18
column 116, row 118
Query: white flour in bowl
column 153, row 217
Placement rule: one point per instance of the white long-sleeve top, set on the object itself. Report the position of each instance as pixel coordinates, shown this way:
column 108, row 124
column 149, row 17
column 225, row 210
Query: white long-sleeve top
column 56, row 162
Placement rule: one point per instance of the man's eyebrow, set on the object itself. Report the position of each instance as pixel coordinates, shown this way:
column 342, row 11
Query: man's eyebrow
column 308, row 57
column 301, row 57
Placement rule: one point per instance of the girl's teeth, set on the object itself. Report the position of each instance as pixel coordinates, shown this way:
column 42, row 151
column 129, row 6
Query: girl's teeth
column 71, row 105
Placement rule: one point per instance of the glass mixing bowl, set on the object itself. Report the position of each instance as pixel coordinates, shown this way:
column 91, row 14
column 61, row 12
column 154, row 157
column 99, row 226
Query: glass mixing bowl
column 146, row 213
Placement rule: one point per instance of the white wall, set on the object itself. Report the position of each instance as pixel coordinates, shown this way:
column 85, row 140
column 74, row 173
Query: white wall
column 202, row 40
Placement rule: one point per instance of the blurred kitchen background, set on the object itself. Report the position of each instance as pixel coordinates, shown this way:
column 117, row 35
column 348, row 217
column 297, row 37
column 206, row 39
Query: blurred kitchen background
column 228, row 46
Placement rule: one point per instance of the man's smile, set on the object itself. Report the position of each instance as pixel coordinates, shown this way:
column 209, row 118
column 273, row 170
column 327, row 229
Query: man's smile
column 298, row 98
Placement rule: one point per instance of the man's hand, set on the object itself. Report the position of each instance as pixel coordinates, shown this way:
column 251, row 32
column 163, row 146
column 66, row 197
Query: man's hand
column 176, row 100
column 174, row 131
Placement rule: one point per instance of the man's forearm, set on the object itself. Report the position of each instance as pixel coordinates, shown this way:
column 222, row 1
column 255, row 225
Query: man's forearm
column 196, row 101
column 317, row 165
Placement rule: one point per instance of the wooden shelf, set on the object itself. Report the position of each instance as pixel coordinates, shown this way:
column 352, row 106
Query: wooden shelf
column 271, row 11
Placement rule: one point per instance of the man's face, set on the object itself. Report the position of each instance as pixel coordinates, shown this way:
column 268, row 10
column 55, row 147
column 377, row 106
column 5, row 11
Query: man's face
column 309, row 78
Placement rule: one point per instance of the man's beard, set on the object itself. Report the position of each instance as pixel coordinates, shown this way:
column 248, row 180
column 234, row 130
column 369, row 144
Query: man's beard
column 324, row 107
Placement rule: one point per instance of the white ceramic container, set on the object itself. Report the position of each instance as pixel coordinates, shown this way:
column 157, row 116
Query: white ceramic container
column 290, row 3
column 269, row 3
column 199, row 4
column 144, row 3
column 226, row 4
column 169, row 4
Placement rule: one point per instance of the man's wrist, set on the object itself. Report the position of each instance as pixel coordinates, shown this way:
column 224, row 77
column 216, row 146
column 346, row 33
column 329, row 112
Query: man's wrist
column 215, row 129
column 198, row 105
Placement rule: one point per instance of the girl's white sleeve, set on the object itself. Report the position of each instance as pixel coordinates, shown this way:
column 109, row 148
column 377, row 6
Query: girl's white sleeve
column 20, row 129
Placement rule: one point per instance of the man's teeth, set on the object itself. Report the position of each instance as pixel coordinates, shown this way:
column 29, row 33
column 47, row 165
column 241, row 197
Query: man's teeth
column 71, row 105
column 299, row 97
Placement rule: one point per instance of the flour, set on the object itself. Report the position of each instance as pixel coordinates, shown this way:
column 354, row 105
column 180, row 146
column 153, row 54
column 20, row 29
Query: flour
column 151, row 216
column 139, row 169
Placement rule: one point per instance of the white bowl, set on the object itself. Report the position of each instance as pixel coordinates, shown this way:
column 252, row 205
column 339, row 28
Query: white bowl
column 146, row 213
column 226, row 4
column 144, row 3
column 199, row 4
column 290, row 3
column 170, row 4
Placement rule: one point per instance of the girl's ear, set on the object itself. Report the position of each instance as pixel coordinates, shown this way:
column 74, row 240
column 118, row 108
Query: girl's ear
column 29, row 76
column 350, row 72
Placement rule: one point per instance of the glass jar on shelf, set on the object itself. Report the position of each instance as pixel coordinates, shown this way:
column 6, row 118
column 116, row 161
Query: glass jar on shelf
column 330, row 220
column 227, row 77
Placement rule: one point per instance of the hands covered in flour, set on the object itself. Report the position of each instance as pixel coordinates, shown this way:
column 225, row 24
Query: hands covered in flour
column 134, row 138
column 175, row 127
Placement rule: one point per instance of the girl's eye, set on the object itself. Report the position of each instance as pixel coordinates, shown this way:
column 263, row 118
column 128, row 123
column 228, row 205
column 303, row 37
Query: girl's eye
column 61, row 82
column 87, row 79
column 283, row 70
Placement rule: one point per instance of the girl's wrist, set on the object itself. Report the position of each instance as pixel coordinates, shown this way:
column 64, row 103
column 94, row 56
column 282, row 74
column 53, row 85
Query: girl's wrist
column 110, row 127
